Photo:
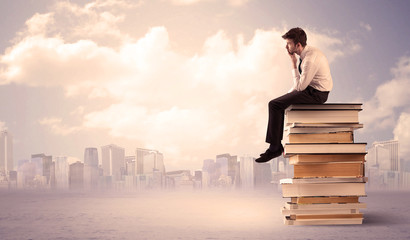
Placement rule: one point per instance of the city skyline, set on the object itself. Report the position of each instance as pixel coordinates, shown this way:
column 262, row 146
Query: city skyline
column 192, row 78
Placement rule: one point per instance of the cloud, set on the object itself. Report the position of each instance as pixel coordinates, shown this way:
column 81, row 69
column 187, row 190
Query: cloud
column 235, row 3
column 56, row 126
column 392, row 97
column 186, row 106
column 366, row 26
column 402, row 133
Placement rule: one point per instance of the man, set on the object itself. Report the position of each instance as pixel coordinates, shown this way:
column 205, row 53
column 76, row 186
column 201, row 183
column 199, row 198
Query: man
column 311, row 85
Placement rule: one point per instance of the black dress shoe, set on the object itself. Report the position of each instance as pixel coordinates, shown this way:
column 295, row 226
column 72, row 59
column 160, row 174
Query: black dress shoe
column 268, row 155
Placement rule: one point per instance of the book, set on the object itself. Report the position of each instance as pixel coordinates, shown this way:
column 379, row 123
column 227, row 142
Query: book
column 325, row 189
column 327, row 106
column 306, row 148
column 336, row 137
column 320, row 180
column 290, row 205
column 323, row 158
column 299, row 212
column 321, row 116
column 326, row 216
column 325, row 200
column 334, row 221
column 334, row 169
column 320, row 127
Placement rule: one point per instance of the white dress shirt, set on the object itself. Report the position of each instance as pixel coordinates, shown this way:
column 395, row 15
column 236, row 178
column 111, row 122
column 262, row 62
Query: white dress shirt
column 315, row 71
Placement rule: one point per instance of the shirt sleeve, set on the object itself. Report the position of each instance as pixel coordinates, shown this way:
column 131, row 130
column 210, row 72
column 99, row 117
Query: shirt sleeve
column 309, row 69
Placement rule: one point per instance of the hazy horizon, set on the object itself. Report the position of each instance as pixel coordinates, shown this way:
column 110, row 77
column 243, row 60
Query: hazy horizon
column 190, row 79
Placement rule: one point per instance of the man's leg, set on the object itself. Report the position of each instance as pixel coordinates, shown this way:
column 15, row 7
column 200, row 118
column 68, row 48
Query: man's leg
column 277, row 108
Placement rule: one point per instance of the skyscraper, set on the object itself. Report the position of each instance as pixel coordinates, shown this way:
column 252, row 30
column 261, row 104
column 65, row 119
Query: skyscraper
column 76, row 176
column 113, row 161
column 246, row 170
column 149, row 160
column 383, row 165
column 6, row 152
column 90, row 168
column 43, row 164
column 61, row 169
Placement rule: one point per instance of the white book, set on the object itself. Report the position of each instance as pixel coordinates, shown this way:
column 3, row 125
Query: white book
column 325, row 189
column 289, row 212
column 327, row 106
column 291, row 130
column 321, row 116
column 323, row 180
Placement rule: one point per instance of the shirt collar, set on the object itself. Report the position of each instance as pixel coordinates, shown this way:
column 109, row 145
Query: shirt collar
column 303, row 53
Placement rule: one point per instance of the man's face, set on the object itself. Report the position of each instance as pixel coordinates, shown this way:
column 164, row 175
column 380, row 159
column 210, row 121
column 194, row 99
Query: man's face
column 290, row 46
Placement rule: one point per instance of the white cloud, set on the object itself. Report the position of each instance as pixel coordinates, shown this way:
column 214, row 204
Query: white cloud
column 366, row 26
column 402, row 133
column 380, row 112
column 56, row 126
column 236, row 3
column 186, row 106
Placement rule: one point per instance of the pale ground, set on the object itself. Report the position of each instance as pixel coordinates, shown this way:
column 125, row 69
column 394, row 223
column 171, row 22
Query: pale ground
column 178, row 215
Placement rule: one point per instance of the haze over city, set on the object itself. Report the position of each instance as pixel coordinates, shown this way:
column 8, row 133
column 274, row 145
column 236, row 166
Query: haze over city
column 189, row 78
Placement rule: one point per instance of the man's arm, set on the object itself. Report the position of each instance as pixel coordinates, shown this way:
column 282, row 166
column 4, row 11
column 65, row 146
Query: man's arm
column 293, row 60
column 309, row 69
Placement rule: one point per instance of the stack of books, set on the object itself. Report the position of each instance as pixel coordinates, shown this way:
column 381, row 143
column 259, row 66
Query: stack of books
column 328, row 165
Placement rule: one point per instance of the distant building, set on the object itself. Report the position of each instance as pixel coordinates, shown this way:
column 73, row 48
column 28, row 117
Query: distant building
column 263, row 175
column 247, row 172
column 149, row 160
column 383, row 166
column 61, row 169
column 91, row 172
column 43, row 164
column 76, row 177
column 181, row 180
column 6, row 152
column 113, row 161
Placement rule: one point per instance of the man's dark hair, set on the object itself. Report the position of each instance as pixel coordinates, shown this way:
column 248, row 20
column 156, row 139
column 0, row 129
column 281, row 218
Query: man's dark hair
column 297, row 35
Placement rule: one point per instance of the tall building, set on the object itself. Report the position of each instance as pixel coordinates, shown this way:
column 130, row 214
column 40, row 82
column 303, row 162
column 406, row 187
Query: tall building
column 229, row 166
column 385, row 154
column 91, row 175
column 149, row 160
column 76, row 177
column 263, row 174
column 246, row 172
column 43, row 165
column 383, row 165
column 61, row 169
column 6, row 152
column 113, row 161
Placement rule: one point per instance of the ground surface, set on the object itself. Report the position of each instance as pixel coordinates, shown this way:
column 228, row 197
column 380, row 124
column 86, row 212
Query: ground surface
column 177, row 215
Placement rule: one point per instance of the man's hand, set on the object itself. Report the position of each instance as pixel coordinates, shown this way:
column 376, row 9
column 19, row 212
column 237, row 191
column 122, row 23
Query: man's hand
column 293, row 59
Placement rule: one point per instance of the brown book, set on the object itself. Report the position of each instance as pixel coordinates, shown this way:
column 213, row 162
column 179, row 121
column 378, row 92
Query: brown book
column 337, row 137
column 322, row 158
column 323, row 148
column 338, row 169
column 326, row 216
column 319, row 200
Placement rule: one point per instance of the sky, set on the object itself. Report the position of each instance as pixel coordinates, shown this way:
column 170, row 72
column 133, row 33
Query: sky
column 190, row 78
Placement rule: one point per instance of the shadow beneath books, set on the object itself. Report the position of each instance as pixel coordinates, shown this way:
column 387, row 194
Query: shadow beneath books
column 380, row 219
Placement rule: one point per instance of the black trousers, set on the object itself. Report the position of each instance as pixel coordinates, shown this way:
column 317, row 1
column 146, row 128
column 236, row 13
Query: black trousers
column 278, row 105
